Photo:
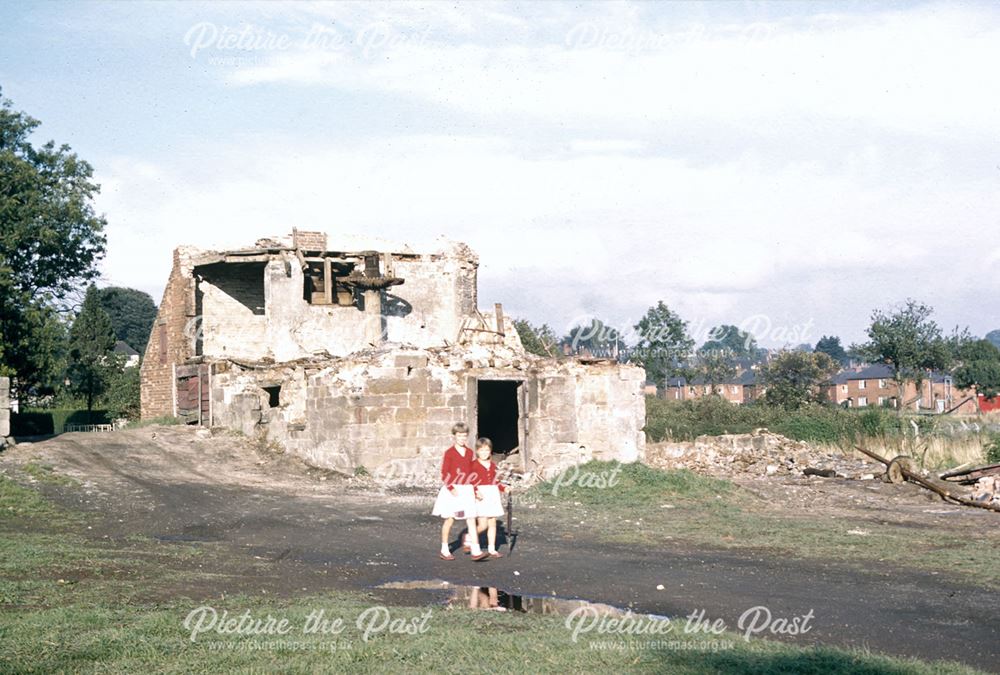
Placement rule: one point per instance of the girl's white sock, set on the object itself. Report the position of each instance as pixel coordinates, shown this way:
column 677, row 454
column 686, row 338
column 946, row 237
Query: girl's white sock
column 491, row 549
column 445, row 550
column 475, row 549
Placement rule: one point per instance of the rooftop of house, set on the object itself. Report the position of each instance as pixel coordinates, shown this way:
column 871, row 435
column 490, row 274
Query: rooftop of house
column 122, row 347
column 879, row 371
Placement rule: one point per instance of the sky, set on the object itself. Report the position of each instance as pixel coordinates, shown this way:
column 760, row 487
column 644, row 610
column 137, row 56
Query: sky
column 784, row 167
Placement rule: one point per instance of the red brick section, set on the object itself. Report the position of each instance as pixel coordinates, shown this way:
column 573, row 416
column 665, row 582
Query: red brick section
column 167, row 344
column 309, row 241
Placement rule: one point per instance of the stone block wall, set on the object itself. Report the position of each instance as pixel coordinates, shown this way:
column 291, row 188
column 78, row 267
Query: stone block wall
column 611, row 411
column 392, row 411
column 439, row 292
column 350, row 414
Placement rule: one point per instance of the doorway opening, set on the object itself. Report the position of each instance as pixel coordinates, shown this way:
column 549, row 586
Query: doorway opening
column 497, row 416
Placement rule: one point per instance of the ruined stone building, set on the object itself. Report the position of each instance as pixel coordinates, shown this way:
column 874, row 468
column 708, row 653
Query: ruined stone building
column 355, row 358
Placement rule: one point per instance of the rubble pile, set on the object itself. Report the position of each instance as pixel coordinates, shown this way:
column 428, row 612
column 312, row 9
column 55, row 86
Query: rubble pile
column 760, row 453
column 987, row 489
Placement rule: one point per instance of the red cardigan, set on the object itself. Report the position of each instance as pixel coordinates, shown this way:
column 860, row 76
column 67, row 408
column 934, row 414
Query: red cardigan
column 456, row 469
column 486, row 475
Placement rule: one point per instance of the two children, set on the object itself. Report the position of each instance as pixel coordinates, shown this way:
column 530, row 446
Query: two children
column 469, row 492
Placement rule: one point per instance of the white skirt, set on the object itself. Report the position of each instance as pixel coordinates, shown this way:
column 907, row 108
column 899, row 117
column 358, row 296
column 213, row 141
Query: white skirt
column 460, row 505
column 490, row 506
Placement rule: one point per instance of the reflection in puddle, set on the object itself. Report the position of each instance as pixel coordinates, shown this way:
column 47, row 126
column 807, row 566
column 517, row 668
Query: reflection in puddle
column 494, row 599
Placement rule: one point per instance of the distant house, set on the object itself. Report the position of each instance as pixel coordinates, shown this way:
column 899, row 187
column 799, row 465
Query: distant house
column 873, row 385
column 743, row 388
column 131, row 355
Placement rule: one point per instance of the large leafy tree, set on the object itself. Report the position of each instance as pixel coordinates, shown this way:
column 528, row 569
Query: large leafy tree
column 92, row 361
column 793, row 378
column 979, row 367
column 132, row 314
column 994, row 337
column 538, row 340
column 664, row 344
column 50, row 243
column 715, row 367
column 909, row 341
column 830, row 345
column 728, row 338
column 596, row 335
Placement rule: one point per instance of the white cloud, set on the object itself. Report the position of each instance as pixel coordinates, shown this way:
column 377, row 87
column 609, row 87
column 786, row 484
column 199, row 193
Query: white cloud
column 805, row 167
column 918, row 71
column 611, row 232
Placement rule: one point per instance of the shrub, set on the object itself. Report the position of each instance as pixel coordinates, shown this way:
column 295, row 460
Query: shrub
column 53, row 421
column 713, row 415
column 993, row 450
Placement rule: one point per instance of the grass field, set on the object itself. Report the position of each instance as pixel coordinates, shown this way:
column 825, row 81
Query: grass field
column 687, row 507
column 71, row 603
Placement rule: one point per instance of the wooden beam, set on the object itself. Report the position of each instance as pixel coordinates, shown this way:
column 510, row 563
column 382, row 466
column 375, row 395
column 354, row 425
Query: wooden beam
column 327, row 281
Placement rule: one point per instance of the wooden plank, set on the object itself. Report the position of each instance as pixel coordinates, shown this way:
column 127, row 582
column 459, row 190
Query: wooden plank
column 327, row 282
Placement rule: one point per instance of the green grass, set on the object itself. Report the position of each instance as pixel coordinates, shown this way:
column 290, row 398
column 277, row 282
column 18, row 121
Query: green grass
column 682, row 506
column 19, row 503
column 45, row 473
column 75, row 604
column 616, row 485
column 166, row 420
column 59, row 621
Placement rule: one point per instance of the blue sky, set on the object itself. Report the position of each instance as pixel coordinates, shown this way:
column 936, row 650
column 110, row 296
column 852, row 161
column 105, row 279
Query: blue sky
column 784, row 166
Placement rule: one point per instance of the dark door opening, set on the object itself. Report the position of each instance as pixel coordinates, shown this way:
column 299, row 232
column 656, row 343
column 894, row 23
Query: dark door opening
column 497, row 414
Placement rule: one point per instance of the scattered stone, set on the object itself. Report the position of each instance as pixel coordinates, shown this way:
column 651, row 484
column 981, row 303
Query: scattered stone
column 760, row 453
column 987, row 489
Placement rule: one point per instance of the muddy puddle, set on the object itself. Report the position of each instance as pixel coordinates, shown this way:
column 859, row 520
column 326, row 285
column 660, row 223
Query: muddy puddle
column 491, row 598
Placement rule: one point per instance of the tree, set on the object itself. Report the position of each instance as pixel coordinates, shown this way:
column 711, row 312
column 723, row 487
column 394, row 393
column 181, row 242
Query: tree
column 91, row 350
column 121, row 398
column 830, row 345
column 793, row 378
column 664, row 344
column 979, row 367
column 50, row 243
column 540, row 340
column 715, row 367
column 596, row 336
column 132, row 314
column 909, row 342
column 727, row 338
column 994, row 337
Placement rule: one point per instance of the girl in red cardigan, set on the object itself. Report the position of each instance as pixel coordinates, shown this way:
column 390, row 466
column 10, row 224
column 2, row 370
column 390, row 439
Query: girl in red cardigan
column 487, row 493
column 456, row 498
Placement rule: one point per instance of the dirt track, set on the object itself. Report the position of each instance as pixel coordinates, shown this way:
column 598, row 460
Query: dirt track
column 290, row 530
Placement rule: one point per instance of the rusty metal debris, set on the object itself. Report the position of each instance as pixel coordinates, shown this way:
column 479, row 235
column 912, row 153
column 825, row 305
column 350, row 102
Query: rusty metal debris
column 903, row 468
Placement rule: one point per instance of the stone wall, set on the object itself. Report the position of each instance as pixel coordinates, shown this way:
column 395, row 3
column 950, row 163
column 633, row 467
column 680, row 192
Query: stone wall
column 391, row 411
column 579, row 412
column 427, row 310
column 255, row 311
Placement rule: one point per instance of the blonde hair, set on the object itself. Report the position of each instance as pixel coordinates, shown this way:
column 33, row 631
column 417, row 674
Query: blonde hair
column 484, row 443
column 460, row 428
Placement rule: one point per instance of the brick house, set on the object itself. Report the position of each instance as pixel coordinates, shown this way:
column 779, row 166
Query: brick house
column 350, row 356
column 873, row 385
column 743, row 388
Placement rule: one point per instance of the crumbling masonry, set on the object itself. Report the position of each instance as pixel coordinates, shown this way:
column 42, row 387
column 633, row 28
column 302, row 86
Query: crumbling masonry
column 363, row 358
